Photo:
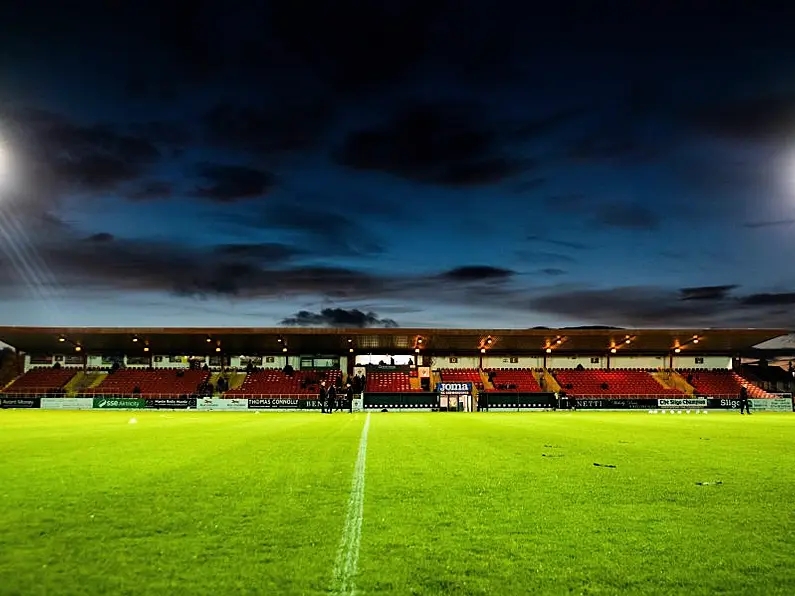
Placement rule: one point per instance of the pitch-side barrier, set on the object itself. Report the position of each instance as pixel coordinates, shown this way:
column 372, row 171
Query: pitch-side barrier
column 392, row 402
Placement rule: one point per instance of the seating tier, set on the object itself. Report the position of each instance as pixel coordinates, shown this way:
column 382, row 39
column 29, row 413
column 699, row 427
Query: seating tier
column 389, row 382
column 721, row 383
column 273, row 381
column 613, row 382
column 42, row 381
column 167, row 382
column 514, row 379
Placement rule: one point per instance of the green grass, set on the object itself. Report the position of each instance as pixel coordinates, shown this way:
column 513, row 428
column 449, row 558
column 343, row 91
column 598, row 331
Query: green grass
column 227, row 503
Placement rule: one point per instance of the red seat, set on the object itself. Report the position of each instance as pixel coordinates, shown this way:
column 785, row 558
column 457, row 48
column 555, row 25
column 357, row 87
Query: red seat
column 42, row 380
column 619, row 383
column 515, row 379
column 273, row 381
column 161, row 382
column 721, row 383
column 389, row 382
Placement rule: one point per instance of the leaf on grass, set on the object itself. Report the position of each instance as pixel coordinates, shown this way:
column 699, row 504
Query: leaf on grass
column 604, row 465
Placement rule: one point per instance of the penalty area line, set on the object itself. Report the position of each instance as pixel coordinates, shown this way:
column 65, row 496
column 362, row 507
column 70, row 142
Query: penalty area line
column 347, row 560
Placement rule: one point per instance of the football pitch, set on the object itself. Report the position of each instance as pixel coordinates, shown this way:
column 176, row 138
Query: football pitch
column 227, row 503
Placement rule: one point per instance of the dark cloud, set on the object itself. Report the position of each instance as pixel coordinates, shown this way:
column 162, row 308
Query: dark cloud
column 323, row 231
column 271, row 272
column 435, row 143
column 707, row 292
column 474, row 273
column 227, row 183
column 249, row 271
column 338, row 317
column 552, row 271
column 52, row 222
column 263, row 251
column 268, row 271
column 768, row 224
column 291, row 124
column 97, row 172
column 151, row 190
column 618, row 306
column 761, row 118
column 96, row 158
column 59, row 155
column 783, row 299
column 659, row 307
column 101, row 237
column 171, row 134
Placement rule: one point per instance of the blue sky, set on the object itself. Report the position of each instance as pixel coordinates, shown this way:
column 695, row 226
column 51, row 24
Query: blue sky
column 397, row 164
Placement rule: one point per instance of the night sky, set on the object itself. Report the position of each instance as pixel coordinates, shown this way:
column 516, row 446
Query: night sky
column 412, row 163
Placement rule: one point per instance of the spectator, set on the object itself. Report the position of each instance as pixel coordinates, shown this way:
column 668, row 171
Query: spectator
column 744, row 400
column 332, row 397
column 322, row 396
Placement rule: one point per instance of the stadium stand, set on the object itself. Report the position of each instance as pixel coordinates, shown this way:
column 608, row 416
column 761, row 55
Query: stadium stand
column 389, row 382
column 514, row 379
column 275, row 382
column 618, row 383
column 167, row 382
column 42, row 380
column 721, row 383
column 461, row 375
column 774, row 376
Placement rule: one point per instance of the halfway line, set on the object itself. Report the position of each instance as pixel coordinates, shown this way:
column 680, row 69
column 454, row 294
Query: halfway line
column 348, row 553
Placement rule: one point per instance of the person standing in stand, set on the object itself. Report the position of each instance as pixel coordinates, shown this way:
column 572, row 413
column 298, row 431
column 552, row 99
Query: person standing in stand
column 322, row 396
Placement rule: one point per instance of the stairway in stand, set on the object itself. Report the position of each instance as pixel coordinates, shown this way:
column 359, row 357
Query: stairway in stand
column 552, row 384
column 84, row 380
column 671, row 379
column 484, row 377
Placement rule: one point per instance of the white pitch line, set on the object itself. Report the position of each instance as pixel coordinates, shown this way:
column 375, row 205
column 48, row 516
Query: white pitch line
column 348, row 553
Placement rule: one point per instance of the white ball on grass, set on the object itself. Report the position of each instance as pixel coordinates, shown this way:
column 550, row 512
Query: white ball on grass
column 133, row 421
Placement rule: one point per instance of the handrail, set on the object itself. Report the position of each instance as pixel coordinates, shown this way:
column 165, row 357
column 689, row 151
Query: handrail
column 273, row 395
column 60, row 392
column 592, row 396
